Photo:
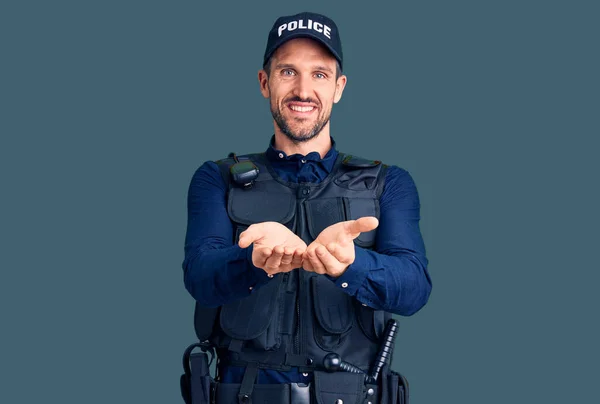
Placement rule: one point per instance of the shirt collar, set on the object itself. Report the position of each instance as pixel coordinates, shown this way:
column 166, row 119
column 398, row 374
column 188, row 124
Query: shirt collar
column 280, row 157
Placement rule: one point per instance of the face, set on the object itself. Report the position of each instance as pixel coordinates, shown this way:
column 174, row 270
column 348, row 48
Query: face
column 302, row 88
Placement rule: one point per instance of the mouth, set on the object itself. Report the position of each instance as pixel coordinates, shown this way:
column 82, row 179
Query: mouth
column 301, row 109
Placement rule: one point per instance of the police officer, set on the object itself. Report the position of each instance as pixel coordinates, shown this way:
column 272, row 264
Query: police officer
column 297, row 256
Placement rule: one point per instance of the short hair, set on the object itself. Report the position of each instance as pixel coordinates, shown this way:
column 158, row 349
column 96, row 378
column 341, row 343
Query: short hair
column 338, row 68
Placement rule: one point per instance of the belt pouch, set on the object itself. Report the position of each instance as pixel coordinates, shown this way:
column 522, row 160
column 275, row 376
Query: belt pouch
column 227, row 393
column 344, row 386
column 402, row 389
column 200, row 380
column 393, row 386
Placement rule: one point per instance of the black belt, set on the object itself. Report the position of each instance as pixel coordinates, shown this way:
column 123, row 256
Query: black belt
column 272, row 360
column 336, row 387
column 291, row 393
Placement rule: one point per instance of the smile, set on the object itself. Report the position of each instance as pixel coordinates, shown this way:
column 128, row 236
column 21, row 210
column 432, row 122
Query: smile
column 300, row 108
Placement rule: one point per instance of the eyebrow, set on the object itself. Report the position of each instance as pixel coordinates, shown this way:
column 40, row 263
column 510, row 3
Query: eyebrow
column 284, row 66
column 324, row 68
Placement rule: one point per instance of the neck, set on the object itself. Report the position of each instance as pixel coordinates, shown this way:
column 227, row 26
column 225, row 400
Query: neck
column 320, row 143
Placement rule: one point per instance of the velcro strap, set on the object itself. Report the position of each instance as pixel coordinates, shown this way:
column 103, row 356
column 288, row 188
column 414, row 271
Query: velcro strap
column 245, row 394
column 300, row 361
column 272, row 360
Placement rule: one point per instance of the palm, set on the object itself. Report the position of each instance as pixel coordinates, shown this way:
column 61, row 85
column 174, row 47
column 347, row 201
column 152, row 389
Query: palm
column 343, row 233
column 334, row 234
column 274, row 234
column 276, row 248
column 333, row 250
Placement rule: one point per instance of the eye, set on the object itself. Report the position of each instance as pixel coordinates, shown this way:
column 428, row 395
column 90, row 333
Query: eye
column 320, row 75
column 287, row 72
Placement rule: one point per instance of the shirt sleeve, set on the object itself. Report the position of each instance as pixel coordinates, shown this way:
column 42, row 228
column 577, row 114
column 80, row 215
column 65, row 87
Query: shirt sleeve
column 216, row 271
column 393, row 276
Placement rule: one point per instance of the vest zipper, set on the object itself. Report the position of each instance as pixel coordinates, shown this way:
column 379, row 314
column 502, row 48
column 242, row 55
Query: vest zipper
column 298, row 320
column 296, row 335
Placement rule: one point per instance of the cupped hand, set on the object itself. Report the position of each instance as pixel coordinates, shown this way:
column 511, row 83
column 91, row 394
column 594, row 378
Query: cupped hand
column 332, row 251
column 276, row 248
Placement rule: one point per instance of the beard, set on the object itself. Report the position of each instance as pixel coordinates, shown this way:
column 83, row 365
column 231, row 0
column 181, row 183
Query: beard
column 301, row 135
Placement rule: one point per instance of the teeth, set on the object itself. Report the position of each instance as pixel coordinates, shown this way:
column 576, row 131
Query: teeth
column 301, row 109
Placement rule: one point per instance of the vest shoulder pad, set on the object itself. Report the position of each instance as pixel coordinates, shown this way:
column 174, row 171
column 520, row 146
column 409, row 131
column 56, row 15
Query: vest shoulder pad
column 359, row 162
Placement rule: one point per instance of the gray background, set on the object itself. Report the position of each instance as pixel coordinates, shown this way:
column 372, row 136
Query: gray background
column 108, row 107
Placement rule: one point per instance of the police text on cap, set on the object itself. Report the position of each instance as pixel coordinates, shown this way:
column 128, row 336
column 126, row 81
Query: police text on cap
column 315, row 26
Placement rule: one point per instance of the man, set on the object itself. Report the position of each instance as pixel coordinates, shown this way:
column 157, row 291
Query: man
column 301, row 252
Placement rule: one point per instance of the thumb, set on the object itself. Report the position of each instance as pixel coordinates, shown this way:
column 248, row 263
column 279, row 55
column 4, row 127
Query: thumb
column 249, row 236
column 354, row 227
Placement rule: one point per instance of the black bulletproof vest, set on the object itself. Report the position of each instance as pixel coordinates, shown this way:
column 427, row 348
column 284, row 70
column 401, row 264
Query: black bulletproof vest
column 299, row 317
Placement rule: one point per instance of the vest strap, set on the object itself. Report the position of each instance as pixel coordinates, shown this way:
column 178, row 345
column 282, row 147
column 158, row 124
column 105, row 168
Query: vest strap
column 379, row 322
column 245, row 394
column 236, row 345
column 278, row 360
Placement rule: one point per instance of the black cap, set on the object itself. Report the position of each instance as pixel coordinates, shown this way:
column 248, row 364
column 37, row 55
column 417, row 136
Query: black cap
column 305, row 25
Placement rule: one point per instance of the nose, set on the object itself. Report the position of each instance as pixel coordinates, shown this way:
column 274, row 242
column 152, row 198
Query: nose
column 303, row 86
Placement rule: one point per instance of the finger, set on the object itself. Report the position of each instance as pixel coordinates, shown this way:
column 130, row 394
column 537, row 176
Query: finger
column 307, row 266
column 317, row 265
column 361, row 225
column 296, row 262
column 311, row 248
column 306, row 257
column 274, row 261
column 288, row 256
column 332, row 248
column 260, row 256
column 340, row 251
column 298, row 258
column 330, row 263
column 249, row 236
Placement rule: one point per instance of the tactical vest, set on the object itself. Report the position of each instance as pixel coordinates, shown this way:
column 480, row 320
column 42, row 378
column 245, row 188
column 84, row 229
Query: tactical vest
column 299, row 317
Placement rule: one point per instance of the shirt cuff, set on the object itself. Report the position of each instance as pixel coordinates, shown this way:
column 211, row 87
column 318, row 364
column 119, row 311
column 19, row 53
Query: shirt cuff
column 356, row 273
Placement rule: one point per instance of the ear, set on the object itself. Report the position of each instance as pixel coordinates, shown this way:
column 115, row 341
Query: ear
column 263, row 81
column 340, row 84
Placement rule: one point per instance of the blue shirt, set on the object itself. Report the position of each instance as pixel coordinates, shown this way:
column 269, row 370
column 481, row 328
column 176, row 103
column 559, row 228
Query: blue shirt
column 392, row 277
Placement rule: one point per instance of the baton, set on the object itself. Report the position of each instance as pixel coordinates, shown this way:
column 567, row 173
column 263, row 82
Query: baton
column 386, row 350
